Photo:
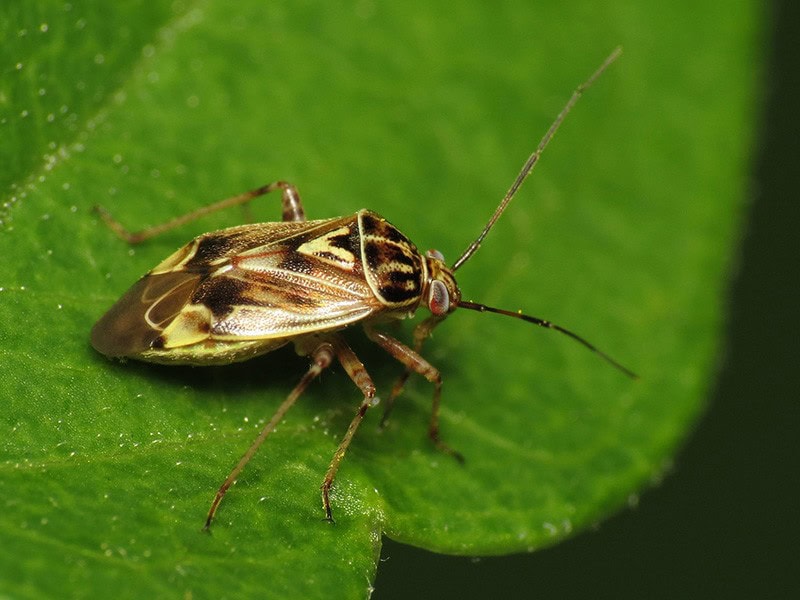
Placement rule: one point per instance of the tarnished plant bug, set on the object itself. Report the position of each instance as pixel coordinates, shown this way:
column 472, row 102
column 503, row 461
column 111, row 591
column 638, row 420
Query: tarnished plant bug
column 240, row 292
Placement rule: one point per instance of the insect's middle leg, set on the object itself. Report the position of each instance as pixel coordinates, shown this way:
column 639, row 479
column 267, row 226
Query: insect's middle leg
column 321, row 358
column 414, row 362
column 355, row 369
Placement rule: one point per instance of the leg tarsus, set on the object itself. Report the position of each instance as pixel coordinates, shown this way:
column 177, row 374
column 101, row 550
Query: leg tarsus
column 444, row 447
column 326, row 502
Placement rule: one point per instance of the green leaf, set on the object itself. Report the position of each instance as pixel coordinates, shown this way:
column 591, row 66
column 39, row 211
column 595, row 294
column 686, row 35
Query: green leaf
column 424, row 114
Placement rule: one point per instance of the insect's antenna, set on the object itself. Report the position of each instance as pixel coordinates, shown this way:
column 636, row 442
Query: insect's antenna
column 534, row 158
column 542, row 323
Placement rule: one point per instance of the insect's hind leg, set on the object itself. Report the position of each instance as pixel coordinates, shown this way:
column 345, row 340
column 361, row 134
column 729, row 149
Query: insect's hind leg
column 291, row 205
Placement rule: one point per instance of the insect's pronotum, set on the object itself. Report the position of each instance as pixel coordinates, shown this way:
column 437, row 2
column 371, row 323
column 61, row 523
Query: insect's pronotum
column 240, row 292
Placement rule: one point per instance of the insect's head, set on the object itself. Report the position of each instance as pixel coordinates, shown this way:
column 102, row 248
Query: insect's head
column 441, row 290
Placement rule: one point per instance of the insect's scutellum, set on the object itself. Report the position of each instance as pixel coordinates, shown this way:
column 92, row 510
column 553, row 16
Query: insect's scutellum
column 237, row 293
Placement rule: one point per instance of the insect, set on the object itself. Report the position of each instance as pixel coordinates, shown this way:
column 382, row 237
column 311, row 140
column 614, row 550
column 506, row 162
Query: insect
column 240, row 292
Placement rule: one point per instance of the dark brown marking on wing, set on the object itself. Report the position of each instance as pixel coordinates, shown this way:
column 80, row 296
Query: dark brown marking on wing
column 212, row 247
column 297, row 263
column 350, row 241
column 221, row 294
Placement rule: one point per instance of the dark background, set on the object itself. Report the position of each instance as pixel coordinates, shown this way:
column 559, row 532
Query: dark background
column 726, row 522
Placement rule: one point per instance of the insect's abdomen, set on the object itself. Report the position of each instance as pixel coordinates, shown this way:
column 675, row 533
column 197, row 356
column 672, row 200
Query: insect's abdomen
column 393, row 267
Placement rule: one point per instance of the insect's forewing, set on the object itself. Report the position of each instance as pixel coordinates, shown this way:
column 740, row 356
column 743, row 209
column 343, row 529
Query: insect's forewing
column 234, row 293
column 137, row 319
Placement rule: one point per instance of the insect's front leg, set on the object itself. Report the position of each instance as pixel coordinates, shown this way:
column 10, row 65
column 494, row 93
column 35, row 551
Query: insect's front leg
column 414, row 362
column 291, row 205
column 421, row 332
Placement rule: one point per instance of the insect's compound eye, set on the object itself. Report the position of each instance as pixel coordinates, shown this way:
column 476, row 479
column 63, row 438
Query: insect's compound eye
column 438, row 298
column 435, row 254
